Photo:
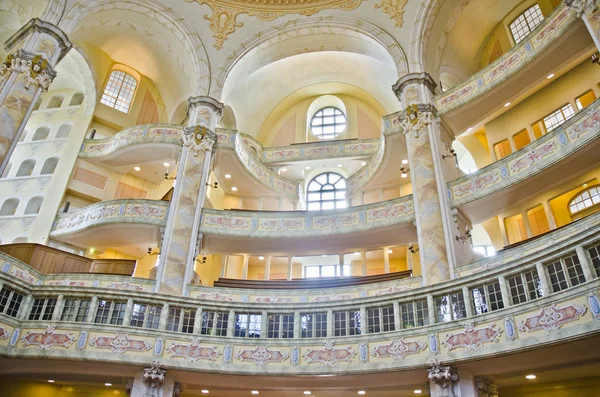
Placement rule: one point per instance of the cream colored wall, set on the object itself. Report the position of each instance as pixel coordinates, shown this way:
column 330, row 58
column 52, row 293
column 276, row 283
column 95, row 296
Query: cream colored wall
column 477, row 146
column 492, row 227
column 561, row 91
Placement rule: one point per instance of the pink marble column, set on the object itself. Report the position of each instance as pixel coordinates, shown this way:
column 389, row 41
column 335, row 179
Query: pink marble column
column 433, row 218
column 181, row 239
column 28, row 70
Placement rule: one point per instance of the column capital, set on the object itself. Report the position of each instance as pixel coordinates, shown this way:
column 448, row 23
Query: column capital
column 204, row 111
column 37, row 70
column 442, row 375
column 198, row 139
column 580, row 7
column 52, row 51
column 486, row 388
column 422, row 78
column 154, row 377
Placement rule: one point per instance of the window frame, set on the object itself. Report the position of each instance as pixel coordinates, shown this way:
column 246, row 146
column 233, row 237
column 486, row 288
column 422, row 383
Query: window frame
column 212, row 319
column 276, row 325
column 564, row 269
column 317, row 330
column 376, row 319
column 527, row 23
column 13, row 298
column 250, row 325
column 42, row 308
column 590, row 197
column 560, row 110
column 352, row 323
column 338, row 203
column 185, row 319
column 149, row 320
column 319, row 114
column 77, row 308
column 111, row 315
column 595, row 256
column 419, row 314
column 114, row 99
column 492, row 300
column 528, row 289
column 454, row 301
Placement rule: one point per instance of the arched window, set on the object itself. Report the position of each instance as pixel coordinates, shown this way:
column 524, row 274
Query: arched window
column 41, row 134
column 26, row 168
column 49, row 166
column 9, row 207
column 64, row 131
column 526, row 22
column 55, row 102
column 76, row 99
column 33, row 206
column 326, row 191
column 328, row 123
column 119, row 91
column 585, row 199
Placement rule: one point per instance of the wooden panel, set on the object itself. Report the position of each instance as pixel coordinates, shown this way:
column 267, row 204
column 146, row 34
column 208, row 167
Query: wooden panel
column 90, row 178
column 113, row 266
column 22, row 252
column 46, row 259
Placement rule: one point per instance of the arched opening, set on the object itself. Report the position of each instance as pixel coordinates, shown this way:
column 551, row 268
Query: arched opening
column 585, row 203
column 326, row 191
column 464, row 159
column 33, row 206
column 119, row 91
column 49, row 166
column 9, row 207
column 76, row 99
column 41, row 134
column 26, row 168
column 64, row 131
column 55, row 102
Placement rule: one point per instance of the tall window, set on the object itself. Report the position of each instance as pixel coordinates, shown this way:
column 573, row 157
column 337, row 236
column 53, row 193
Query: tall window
column 328, row 123
column 119, row 90
column 526, row 22
column 327, row 191
column 586, row 199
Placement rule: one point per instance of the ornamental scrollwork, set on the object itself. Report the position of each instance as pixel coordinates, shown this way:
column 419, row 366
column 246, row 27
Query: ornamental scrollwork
column 442, row 375
column 154, row 377
column 415, row 120
column 35, row 68
column 580, row 7
column 199, row 139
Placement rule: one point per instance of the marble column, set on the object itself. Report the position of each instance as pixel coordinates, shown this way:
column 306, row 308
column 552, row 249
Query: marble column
column 181, row 240
column 33, row 53
column 153, row 382
column 589, row 12
column 435, row 226
column 267, row 275
column 386, row 260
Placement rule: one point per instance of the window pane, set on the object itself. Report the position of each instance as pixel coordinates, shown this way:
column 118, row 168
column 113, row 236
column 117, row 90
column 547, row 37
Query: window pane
column 328, row 123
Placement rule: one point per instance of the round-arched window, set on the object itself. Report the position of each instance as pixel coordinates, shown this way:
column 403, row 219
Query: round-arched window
column 328, row 123
column 326, row 191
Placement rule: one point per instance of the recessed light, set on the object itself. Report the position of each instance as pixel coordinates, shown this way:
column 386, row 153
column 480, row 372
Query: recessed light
column 403, row 175
column 469, row 129
column 390, row 251
column 204, row 391
column 227, row 176
column 108, row 384
column 283, row 170
column 166, row 164
column 340, row 165
column 261, row 258
column 307, row 392
column 50, row 380
column 234, row 189
column 363, row 163
column 418, row 391
column 507, row 104
column 307, row 168
column 137, row 168
column 362, row 392
column 550, row 76
column 92, row 250
column 357, row 253
column 254, row 392
column 405, row 161
column 531, row 376
column 585, row 185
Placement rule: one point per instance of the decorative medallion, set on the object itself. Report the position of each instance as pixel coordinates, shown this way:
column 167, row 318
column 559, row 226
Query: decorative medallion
column 472, row 338
column 120, row 343
column 395, row 9
column 398, row 349
column 47, row 339
column 225, row 12
column 227, row 354
column 193, row 352
column 363, row 351
column 329, row 355
column 158, row 347
column 509, row 327
column 594, row 305
column 14, row 338
column 433, row 344
column 81, row 340
column 552, row 318
column 295, row 355
column 261, row 356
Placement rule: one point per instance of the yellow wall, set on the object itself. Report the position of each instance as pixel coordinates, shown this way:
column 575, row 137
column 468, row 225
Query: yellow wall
column 42, row 389
column 560, row 204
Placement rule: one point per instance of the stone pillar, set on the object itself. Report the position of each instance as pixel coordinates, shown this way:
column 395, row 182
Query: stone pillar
column 290, row 267
column 153, row 382
column 435, row 227
column 386, row 260
column 588, row 11
column 33, row 53
column 181, row 237
column 363, row 262
column 444, row 381
column 267, row 268
column 224, row 259
column 245, row 266
column 486, row 387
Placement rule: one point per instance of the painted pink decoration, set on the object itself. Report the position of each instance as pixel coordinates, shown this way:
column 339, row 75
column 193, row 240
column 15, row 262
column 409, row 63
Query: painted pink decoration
column 552, row 318
column 227, row 223
column 120, row 343
column 193, row 352
column 126, row 286
column 398, row 349
column 320, row 151
column 23, row 275
column 533, row 157
column 472, row 338
column 282, row 224
column 392, row 290
column 48, row 339
column 505, row 65
column 336, row 221
column 329, row 355
column 457, row 95
column 3, row 333
column 332, row 298
column 272, row 299
column 552, row 26
column 477, row 184
column 215, row 297
column 585, row 126
column 262, row 356
column 68, row 283
column 390, row 211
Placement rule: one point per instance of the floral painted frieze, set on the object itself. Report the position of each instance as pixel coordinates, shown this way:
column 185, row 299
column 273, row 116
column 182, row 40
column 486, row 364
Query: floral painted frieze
column 23, row 274
column 533, row 156
column 398, row 349
column 226, row 222
column 581, row 129
column 125, row 286
column 552, row 318
column 281, row 224
column 272, row 299
column 48, row 339
column 317, row 150
column 120, row 343
column 215, row 297
column 331, row 221
column 193, row 351
column 262, row 356
column 390, row 211
column 329, row 356
column 472, row 338
column 476, row 184
column 333, row 298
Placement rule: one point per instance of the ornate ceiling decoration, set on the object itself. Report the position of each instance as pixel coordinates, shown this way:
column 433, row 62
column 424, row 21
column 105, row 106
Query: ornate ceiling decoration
column 224, row 12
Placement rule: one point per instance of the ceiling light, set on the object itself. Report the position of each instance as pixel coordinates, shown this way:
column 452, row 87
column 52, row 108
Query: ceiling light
column 585, row 185
column 50, row 380
column 469, row 129
column 418, row 391
column 550, row 76
column 507, row 104
column 323, row 256
column 405, row 161
column 531, row 376
column 92, row 250
column 307, row 168
column 390, row 251
column 166, row 164
column 363, row 163
column 362, row 392
column 403, row 175
column 357, row 253
column 234, row 189
column 254, row 392
column 283, row 170
column 227, row 176
column 261, row 258
column 307, row 392
column 108, row 384
column 137, row 168
column 340, row 165
column 204, row 391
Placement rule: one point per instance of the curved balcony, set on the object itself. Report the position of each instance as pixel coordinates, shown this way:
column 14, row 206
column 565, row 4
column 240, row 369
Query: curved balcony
column 138, row 221
column 492, row 188
column 482, row 330
column 559, row 41
column 291, row 231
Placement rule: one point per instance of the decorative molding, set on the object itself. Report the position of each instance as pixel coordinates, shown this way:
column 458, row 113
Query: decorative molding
column 120, row 343
column 35, row 68
column 198, row 139
column 262, row 356
column 442, row 375
column 472, row 338
column 154, row 377
column 580, row 7
column 486, row 388
column 398, row 349
column 552, row 318
column 329, row 356
column 48, row 339
column 416, row 121
column 395, row 9
column 193, row 352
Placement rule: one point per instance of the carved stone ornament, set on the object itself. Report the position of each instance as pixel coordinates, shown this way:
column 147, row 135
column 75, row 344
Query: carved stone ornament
column 415, row 120
column 35, row 68
column 442, row 375
column 580, row 7
column 198, row 139
column 486, row 388
column 154, row 377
